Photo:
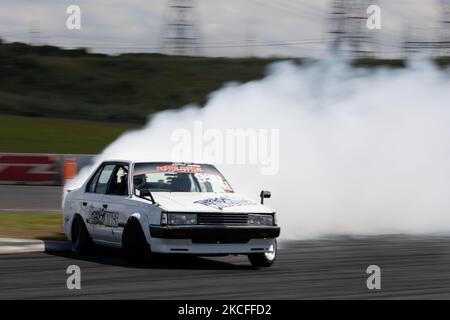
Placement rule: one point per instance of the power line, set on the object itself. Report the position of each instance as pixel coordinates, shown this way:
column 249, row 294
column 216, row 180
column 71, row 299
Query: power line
column 445, row 25
column 35, row 33
column 440, row 44
column 236, row 44
column 181, row 34
column 347, row 20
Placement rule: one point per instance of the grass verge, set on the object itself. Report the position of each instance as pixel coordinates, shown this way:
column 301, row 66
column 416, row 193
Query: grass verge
column 34, row 135
column 31, row 226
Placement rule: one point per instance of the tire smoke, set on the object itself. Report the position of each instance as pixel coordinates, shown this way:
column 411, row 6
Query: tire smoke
column 361, row 152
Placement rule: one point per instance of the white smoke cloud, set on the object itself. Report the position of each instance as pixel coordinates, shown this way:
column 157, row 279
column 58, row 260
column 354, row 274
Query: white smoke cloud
column 361, row 152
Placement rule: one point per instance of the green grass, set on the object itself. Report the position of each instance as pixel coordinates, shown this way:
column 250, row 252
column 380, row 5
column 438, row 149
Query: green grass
column 124, row 88
column 375, row 63
column 34, row 135
column 32, row 226
column 41, row 82
column 44, row 81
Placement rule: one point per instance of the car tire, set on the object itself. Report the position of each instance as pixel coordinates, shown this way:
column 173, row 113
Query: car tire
column 81, row 240
column 265, row 259
column 134, row 243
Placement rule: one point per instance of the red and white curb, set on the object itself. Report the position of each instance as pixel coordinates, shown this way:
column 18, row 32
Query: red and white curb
column 14, row 245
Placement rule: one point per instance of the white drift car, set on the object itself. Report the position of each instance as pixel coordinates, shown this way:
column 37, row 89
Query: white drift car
column 164, row 207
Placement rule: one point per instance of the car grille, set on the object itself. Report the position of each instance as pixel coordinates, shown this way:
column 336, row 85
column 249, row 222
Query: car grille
column 222, row 218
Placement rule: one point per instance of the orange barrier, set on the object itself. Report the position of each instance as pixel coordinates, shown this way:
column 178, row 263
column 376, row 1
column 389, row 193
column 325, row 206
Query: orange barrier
column 69, row 168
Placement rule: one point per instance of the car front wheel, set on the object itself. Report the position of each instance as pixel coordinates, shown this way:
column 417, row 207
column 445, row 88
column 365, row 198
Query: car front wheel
column 134, row 243
column 264, row 259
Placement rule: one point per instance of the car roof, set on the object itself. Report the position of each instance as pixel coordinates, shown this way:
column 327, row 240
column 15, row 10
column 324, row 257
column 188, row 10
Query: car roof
column 153, row 161
column 116, row 161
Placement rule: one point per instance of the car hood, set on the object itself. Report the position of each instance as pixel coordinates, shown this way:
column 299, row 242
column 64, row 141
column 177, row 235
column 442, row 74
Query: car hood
column 207, row 202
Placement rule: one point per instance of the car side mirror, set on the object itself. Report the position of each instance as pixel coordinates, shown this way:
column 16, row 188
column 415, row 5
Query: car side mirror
column 264, row 194
column 146, row 193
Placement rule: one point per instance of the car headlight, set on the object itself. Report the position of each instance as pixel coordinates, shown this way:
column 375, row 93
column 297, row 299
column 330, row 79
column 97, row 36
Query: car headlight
column 181, row 218
column 260, row 219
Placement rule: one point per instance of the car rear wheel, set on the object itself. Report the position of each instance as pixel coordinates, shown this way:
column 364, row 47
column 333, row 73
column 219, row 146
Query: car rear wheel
column 264, row 259
column 134, row 243
column 81, row 240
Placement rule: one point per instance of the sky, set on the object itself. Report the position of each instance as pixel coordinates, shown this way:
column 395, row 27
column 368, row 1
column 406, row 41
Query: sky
column 226, row 28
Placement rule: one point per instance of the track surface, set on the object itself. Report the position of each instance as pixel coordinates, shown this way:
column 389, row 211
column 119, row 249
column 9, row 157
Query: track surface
column 410, row 268
column 29, row 199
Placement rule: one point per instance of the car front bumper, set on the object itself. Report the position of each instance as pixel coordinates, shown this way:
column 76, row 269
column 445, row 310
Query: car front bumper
column 205, row 240
column 215, row 234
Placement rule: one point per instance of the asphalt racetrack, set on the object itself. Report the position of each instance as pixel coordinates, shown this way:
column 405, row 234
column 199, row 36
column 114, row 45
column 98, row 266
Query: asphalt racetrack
column 30, row 199
column 327, row 269
column 411, row 267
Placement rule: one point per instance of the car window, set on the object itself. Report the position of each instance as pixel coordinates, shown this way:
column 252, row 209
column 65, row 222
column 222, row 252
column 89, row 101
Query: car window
column 93, row 182
column 118, row 185
column 104, row 177
column 173, row 177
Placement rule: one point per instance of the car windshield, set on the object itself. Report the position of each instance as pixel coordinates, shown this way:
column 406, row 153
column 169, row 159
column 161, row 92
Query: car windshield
column 175, row 177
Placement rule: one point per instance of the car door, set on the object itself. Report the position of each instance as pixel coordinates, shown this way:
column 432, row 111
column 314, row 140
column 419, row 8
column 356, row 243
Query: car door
column 88, row 201
column 115, row 203
column 94, row 203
